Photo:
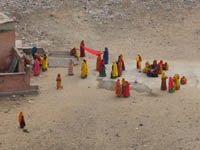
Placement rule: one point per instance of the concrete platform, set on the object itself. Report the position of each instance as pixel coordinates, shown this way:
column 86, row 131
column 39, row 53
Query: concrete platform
column 141, row 83
column 60, row 59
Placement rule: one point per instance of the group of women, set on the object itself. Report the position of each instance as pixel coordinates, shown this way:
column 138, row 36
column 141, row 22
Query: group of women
column 39, row 62
column 152, row 70
column 173, row 84
column 155, row 69
column 118, row 67
column 122, row 89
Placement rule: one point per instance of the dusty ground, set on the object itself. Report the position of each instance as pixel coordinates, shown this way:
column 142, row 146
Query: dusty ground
column 85, row 117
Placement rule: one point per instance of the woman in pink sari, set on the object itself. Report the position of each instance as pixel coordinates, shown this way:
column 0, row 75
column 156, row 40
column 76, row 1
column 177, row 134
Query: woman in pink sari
column 70, row 68
column 37, row 67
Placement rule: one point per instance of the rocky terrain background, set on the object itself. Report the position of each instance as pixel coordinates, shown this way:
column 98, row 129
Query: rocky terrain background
column 143, row 25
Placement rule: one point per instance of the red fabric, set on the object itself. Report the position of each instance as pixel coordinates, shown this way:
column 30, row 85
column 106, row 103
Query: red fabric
column 127, row 89
column 94, row 52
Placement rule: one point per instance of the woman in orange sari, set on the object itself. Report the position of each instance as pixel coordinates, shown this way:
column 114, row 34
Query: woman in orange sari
column 75, row 53
column 183, row 80
column 118, row 88
column 59, row 82
column 21, row 120
column 121, row 58
column 165, row 66
column 160, row 69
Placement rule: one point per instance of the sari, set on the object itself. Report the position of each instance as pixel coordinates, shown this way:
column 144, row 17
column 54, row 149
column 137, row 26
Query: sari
column 171, row 87
column 82, row 50
column 119, row 67
column 147, row 66
column 122, row 60
column 102, row 73
column 123, row 85
column 118, row 88
column 70, row 68
column 127, row 89
column 37, row 67
column 84, row 70
column 163, row 83
column 34, row 50
column 177, row 81
column 106, row 56
column 59, row 82
column 45, row 63
column 98, row 63
column 139, row 61
column 183, row 80
column 114, row 73
column 21, row 120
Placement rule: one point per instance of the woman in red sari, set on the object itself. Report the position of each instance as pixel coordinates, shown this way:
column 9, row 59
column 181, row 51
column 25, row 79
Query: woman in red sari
column 121, row 58
column 98, row 64
column 119, row 66
column 82, row 50
column 127, row 89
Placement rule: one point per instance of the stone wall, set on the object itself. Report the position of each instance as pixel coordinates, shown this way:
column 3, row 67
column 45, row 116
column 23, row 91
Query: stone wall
column 10, row 82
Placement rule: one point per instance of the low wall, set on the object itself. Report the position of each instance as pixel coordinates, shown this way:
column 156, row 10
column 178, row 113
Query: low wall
column 10, row 82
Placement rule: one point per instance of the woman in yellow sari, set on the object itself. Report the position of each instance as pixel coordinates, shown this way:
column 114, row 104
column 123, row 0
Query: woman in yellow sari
column 84, row 69
column 177, row 81
column 114, row 73
column 163, row 82
column 123, row 85
column 147, row 66
column 45, row 62
column 139, row 61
